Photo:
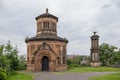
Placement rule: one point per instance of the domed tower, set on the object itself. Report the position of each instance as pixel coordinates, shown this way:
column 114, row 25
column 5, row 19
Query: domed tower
column 46, row 24
column 95, row 61
column 46, row 51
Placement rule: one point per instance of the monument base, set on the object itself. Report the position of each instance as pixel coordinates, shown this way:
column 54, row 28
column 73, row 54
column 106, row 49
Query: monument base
column 95, row 64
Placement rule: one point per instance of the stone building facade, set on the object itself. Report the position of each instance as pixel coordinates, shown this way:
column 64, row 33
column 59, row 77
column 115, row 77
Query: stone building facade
column 46, row 51
column 95, row 61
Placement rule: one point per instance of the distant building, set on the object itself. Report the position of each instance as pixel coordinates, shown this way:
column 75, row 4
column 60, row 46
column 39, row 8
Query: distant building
column 84, row 59
column 71, row 57
column 84, row 62
column 46, row 51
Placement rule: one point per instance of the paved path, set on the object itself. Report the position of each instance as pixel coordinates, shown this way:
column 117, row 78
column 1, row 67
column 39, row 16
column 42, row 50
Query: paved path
column 67, row 76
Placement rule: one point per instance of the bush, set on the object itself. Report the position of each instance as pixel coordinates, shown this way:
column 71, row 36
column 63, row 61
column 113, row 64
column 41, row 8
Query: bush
column 3, row 76
column 13, row 72
column 71, row 66
column 21, row 67
column 3, row 73
column 3, row 70
column 69, row 61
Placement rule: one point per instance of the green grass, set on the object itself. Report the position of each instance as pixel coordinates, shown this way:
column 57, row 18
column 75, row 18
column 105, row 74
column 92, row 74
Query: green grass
column 114, row 76
column 20, row 76
column 94, row 69
column 90, row 69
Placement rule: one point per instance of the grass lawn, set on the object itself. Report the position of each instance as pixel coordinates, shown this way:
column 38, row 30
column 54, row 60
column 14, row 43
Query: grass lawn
column 21, row 76
column 114, row 76
column 26, row 75
column 94, row 69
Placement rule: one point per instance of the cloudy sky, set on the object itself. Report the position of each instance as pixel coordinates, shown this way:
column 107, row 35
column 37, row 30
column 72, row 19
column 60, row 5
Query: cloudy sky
column 77, row 21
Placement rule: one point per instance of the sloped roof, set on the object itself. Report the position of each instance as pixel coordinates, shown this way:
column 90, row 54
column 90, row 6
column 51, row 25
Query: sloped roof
column 47, row 15
column 47, row 36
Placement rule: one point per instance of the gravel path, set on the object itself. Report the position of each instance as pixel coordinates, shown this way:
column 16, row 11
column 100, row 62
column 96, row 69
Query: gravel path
column 67, row 76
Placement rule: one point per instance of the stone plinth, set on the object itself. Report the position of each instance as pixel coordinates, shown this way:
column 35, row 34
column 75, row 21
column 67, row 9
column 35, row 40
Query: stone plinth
column 95, row 64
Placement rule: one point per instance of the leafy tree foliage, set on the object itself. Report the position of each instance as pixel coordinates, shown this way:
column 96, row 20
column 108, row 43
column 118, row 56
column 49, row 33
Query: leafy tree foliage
column 22, row 62
column 12, row 55
column 77, row 60
column 109, row 55
column 9, row 57
column 69, row 61
column 3, row 59
column 1, row 49
column 10, row 61
column 3, row 75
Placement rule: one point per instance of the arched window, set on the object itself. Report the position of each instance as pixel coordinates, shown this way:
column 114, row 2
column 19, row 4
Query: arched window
column 58, row 60
column 32, row 49
column 32, row 61
column 28, row 59
column 39, row 26
column 46, row 25
column 53, row 26
column 64, row 62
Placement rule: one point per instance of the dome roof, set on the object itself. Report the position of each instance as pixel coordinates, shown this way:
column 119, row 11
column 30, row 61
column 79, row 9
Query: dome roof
column 46, row 36
column 47, row 15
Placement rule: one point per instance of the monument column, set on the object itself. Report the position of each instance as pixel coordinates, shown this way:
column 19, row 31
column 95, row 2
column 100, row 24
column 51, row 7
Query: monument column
column 95, row 50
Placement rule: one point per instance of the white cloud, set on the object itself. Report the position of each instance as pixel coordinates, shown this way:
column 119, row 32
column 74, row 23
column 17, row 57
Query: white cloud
column 77, row 20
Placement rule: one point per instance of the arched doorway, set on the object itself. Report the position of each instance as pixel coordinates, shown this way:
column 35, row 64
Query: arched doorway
column 45, row 63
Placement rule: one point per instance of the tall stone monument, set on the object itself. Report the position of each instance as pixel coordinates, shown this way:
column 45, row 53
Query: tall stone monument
column 95, row 61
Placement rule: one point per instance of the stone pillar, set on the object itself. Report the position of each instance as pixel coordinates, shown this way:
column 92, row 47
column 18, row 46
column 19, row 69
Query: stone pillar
column 95, row 51
column 61, row 54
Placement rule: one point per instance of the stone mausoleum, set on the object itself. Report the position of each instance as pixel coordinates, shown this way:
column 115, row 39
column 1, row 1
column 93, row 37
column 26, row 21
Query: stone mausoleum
column 46, row 51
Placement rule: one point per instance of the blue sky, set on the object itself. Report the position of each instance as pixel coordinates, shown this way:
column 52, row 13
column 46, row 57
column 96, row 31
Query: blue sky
column 77, row 21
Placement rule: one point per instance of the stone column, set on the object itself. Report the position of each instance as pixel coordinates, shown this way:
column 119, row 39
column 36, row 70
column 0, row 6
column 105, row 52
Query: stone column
column 95, row 50
column 61, row 54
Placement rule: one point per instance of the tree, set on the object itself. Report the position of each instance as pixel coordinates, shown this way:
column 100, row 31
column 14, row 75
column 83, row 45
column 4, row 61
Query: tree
column 118, row 56
column 9, row 58
column 4, row 62
column 1, row 49
column 22, row 62
column 12, row 55
column 69, row 61
column 107, row 53
column 3, row 75
column 77, row 60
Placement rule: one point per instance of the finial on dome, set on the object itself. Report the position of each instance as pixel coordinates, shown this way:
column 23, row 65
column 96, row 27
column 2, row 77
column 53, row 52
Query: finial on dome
column 95, row 33
column 46, row 10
